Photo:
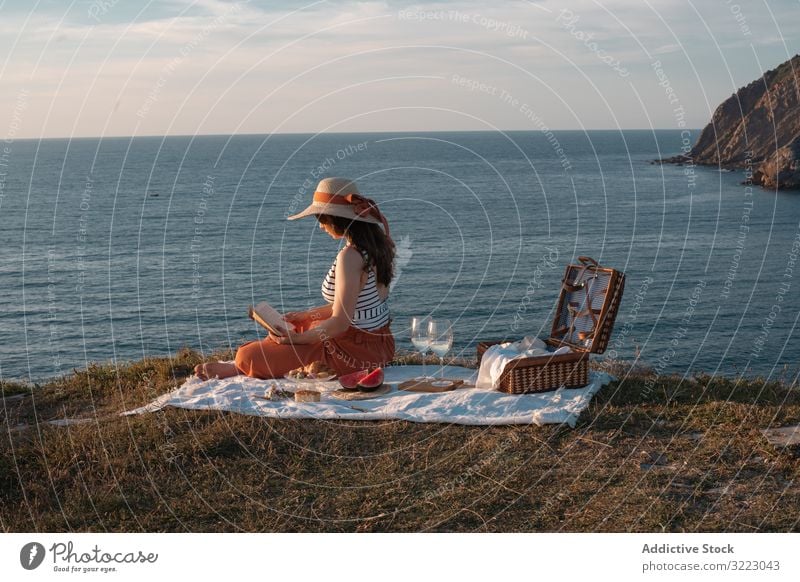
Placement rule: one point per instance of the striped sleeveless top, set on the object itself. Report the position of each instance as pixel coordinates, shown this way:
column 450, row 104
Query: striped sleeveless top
column 371, row 312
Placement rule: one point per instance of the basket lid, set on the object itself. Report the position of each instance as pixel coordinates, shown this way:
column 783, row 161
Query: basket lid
column 586, row 306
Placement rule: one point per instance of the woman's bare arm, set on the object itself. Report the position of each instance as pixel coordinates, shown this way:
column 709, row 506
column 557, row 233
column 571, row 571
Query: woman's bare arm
column 305, row 317
column 349, row 268
column 321, row 312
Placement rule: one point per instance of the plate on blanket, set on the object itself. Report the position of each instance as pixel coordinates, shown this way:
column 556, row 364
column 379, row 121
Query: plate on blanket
column 344, row 394
column 309, row 379
column 440, row 385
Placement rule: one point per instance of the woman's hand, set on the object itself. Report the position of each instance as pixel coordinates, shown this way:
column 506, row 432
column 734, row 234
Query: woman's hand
column 291, row 337
column 299, row 319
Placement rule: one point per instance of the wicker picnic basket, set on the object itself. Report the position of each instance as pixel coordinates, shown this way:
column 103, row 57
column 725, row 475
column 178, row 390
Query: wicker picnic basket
column 585, row 313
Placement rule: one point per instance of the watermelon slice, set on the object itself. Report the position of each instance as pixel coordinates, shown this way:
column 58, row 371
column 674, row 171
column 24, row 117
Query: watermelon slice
column 365, row 380
column 371, row 381
column 350, row 381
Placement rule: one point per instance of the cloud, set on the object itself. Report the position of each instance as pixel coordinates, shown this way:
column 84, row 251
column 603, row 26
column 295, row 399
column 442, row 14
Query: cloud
column 238, row 52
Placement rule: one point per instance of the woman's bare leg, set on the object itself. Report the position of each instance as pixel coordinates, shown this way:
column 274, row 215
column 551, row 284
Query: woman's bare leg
column 215, row 369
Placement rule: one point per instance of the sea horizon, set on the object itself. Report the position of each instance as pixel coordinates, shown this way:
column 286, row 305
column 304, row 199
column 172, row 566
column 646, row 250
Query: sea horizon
column 367, row 132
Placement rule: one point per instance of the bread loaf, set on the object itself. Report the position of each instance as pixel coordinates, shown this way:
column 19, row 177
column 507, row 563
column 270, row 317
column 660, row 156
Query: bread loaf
column 306, row 396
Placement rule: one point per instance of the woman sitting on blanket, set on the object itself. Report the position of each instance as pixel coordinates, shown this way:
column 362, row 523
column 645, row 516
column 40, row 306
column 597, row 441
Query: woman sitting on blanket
column 351, row 331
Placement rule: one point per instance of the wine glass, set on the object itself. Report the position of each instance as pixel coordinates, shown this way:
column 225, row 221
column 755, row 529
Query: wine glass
column 419, row 338
column 440, row 338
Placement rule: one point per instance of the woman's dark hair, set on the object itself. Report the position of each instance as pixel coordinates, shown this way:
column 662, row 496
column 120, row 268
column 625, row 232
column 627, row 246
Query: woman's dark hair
column 369, row 237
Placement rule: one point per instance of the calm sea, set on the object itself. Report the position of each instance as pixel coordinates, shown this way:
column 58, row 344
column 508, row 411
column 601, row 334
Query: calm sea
column 115, row 249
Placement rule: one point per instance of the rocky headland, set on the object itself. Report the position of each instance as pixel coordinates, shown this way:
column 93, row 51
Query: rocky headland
column 756, row 129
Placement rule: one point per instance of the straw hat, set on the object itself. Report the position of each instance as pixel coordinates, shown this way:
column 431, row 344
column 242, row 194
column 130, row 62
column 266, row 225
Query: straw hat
column 340, row 197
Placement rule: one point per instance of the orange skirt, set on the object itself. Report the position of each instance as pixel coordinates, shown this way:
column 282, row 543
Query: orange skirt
column 355, row 349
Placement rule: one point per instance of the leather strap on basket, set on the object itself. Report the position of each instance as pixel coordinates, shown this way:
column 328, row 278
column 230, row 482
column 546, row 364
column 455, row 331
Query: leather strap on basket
column 587, row 263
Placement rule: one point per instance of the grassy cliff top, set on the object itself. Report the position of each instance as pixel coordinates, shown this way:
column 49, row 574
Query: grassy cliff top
column 651, row 453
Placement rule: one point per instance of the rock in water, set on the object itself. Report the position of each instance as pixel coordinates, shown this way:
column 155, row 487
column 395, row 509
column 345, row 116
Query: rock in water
column 757, row 128
column 782, row 169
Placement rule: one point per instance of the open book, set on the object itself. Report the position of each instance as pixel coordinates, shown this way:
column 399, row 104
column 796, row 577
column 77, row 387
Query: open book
column 267, row 317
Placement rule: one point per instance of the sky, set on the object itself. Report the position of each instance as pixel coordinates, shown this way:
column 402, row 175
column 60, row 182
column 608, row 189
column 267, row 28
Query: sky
column 194, row 67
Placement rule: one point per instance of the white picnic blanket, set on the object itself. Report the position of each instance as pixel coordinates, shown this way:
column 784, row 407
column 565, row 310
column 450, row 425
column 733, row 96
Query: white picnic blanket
column 463, row 406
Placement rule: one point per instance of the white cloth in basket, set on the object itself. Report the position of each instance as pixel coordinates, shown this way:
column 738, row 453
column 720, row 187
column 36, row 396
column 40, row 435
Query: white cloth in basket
column 496, row 357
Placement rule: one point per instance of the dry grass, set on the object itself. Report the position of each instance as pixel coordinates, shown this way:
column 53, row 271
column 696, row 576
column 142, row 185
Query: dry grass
column 650, row 454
